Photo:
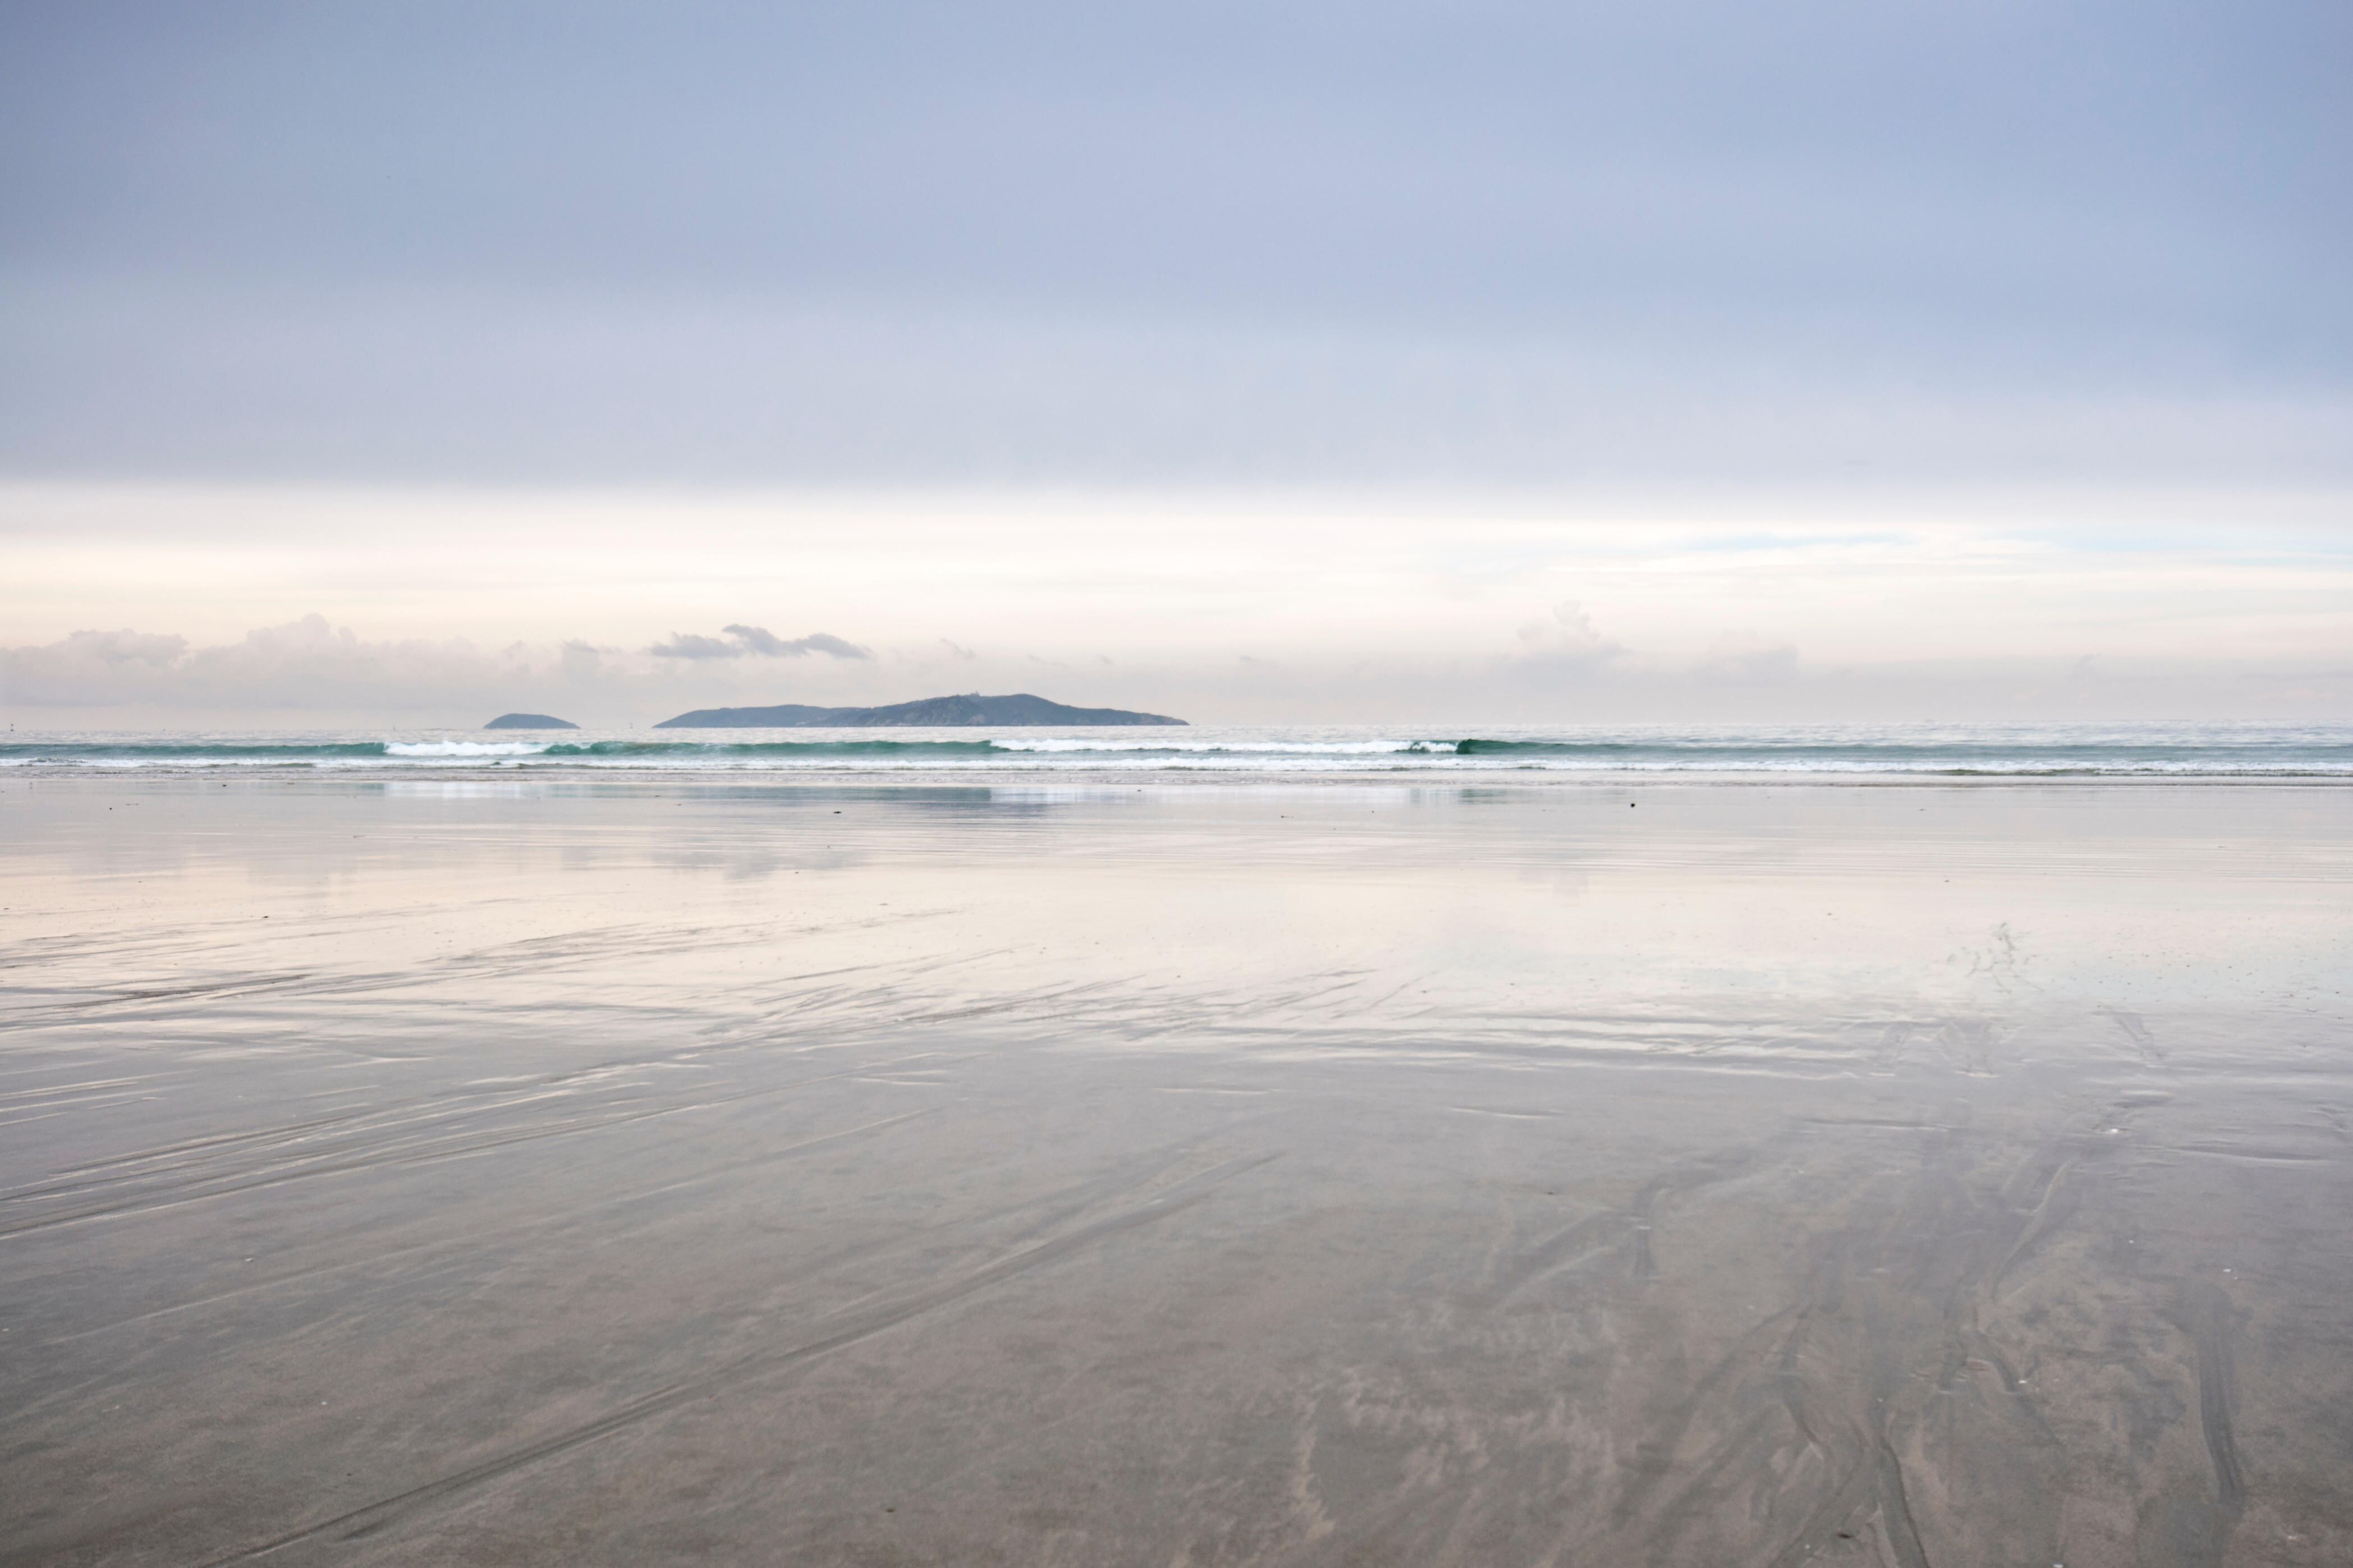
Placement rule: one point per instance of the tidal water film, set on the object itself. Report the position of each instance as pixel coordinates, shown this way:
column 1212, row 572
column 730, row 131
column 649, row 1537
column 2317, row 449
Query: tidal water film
column 411, row 1166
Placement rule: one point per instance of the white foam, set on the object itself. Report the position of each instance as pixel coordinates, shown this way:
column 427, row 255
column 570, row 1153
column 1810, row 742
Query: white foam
column 465, row 748
column 1213, row 748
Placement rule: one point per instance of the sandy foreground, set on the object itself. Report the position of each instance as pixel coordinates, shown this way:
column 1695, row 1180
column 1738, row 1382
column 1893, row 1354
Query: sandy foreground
column 573, row 1171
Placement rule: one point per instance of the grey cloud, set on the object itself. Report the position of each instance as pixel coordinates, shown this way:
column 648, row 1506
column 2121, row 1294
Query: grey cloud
column 689, row 644
column 768, row 644
column 762, row 641
column 744, row 641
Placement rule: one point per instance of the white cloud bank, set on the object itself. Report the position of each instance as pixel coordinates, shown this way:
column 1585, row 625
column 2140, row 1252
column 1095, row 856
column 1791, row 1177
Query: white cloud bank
column 309, row 673
column 302, row 665
column 311, row 669
column 129, row 607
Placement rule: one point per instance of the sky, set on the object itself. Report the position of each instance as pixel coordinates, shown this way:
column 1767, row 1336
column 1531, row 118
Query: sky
column 1267, row 363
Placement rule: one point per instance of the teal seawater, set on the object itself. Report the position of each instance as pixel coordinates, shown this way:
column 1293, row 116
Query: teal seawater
column 2321, row 752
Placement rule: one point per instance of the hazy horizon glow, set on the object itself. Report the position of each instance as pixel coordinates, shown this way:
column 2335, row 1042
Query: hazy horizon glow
column 625, row 608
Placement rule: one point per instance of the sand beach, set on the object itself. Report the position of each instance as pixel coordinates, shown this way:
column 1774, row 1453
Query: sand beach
column 608, row 1169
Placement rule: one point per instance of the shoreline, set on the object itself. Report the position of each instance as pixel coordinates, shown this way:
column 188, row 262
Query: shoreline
column 1170, row 778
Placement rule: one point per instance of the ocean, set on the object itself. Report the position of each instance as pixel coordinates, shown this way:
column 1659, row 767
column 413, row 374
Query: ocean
column 2005, row 750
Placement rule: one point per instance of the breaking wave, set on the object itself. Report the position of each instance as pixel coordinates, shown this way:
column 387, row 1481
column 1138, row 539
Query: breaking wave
column 2323, row 752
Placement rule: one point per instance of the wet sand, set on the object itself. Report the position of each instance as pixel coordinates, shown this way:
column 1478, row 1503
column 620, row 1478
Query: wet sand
column 587, row 1172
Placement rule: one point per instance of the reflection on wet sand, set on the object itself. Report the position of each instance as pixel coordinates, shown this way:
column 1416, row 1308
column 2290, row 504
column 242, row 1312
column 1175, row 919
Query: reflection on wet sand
column 587, row 1172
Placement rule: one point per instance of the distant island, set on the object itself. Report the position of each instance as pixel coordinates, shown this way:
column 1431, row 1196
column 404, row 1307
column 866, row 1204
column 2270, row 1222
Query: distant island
column 529, row 721
column 1021, row 708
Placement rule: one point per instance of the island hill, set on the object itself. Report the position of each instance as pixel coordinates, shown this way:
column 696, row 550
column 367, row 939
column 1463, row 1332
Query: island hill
column 942, row 712
column 530, row 721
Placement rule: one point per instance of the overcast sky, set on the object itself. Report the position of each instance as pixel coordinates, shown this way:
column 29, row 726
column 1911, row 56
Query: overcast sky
column 1290, row 361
